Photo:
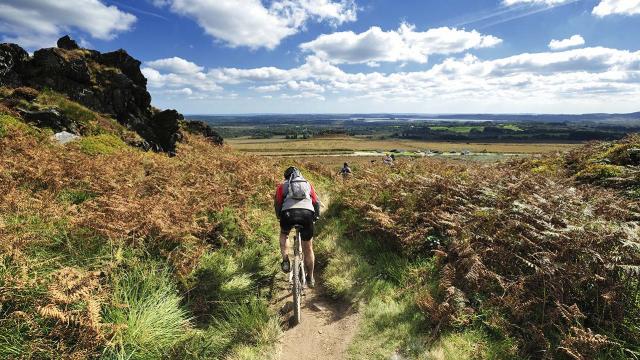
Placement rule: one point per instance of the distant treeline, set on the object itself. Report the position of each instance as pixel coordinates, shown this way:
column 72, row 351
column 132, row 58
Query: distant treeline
column 527, row 132
column 499, row 128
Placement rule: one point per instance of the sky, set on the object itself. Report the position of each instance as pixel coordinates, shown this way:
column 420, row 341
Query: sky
column 358, row 56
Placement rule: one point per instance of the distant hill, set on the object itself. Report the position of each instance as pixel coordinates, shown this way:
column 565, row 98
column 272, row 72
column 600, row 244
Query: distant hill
column 394, row 117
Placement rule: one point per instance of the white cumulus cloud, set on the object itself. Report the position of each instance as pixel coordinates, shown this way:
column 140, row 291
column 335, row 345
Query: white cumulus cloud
column 174, row 75
column 405, row 44
column 575, row 40
column 267, row 88
column 250, row 23
column 38, row 23
column 175, row 65
column 617, row 7
column 578, row 80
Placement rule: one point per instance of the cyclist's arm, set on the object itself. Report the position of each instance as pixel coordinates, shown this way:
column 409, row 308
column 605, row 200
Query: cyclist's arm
column 277, row 200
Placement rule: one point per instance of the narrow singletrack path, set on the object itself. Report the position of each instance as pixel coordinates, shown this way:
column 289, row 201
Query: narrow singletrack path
column 327, row 327
column 326, row 330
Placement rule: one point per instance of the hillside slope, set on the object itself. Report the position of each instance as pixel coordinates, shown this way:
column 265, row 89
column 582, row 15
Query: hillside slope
column 110, row 251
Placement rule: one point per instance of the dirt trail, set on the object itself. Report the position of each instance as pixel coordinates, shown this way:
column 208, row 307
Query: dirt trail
column 325, row 332
column 327, row 326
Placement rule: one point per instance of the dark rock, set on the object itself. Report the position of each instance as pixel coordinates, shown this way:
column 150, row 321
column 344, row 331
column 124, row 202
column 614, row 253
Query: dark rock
column 67, row 43
column 128, row 65
column 51, row 118
column 202, row 128
column 12, row 62
column 166, row 126
column 57, row 67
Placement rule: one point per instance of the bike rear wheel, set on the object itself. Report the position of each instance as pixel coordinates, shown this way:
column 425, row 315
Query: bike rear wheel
column 298, row 278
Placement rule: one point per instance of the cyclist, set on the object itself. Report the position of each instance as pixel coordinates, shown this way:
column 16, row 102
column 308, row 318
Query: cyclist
column 345, row 171
column 296, row 203
column 388, row 160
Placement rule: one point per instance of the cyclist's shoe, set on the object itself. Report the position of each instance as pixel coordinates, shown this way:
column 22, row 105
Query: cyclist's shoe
column 285, row 265
column 311, row 282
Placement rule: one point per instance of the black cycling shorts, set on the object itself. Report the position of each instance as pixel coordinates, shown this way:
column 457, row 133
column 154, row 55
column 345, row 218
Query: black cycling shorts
column 292, row 217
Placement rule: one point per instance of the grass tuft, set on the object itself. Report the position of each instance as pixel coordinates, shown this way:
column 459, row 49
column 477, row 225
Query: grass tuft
column 146, row 314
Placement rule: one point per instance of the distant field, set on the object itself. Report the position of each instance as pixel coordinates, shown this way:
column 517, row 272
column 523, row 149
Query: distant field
column 348, row 145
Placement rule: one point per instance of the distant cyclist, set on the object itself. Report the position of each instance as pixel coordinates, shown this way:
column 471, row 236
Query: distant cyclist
column 345, row 171
column 296, row 203
column 388, row 160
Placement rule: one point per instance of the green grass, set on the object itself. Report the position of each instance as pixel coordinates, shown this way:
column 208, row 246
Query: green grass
column 470, row 344
column 150, row 319
column 75, row 196
column 228, row 290
column 457, row 129
column 366, row 270
column 245, row 331
column 147, row 314
column 103, row 144
column 9, row 123
column 361, row 269
column 512, row 127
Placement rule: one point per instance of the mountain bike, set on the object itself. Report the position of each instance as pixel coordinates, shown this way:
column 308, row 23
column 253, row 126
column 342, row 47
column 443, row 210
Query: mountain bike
column 298, row 278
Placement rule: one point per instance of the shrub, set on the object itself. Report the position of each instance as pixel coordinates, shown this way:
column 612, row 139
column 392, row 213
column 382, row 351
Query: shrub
column 597, row 172
column 69, row 210
column 624, row 152
column 553, row 258
column 5, row 109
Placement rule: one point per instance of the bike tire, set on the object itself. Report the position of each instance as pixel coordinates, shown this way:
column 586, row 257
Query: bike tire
column 297, row 291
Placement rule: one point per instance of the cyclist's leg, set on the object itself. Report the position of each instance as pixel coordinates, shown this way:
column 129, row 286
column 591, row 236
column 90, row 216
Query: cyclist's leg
column 283, row 245
column 307, row 244
column 285, row 229
column 309, row 257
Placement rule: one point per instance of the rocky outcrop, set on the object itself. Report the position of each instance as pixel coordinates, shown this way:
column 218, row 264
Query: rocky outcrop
column 109, row 83
column 202, row 128
column 67, row 43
